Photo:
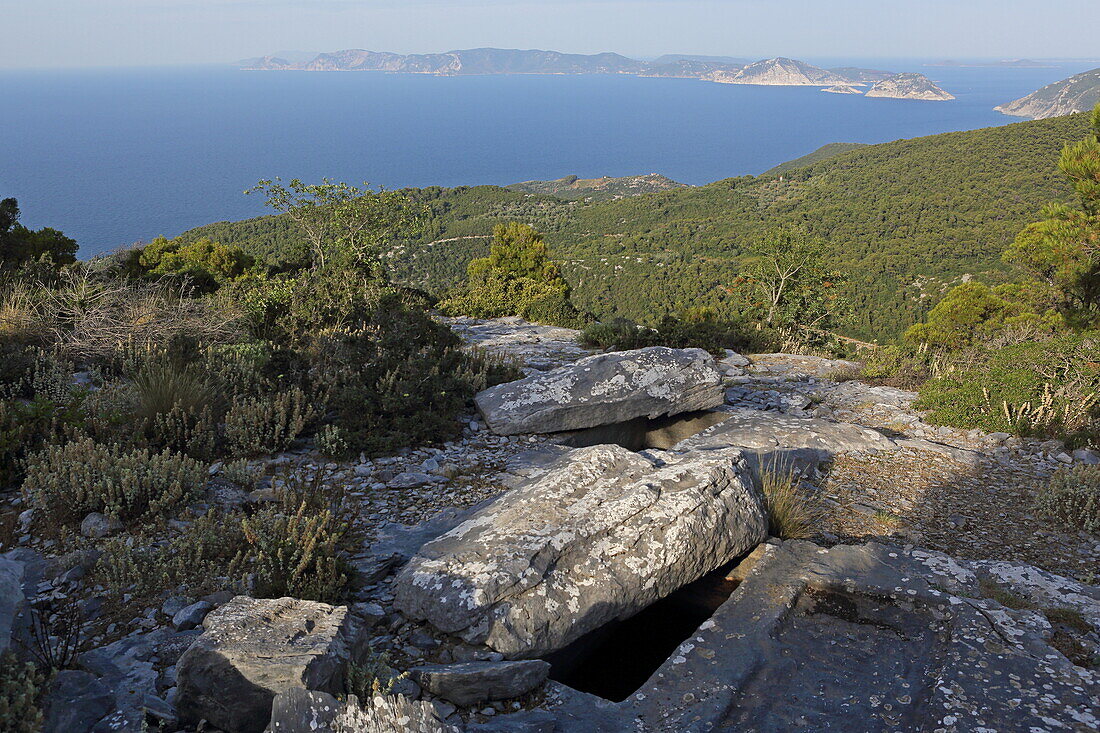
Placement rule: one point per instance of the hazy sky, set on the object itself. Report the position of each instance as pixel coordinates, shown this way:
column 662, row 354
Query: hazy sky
column 41, row 33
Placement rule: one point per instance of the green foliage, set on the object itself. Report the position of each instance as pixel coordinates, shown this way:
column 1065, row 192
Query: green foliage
column 1063, row 250
column 267, row 424
column 340, row 221
column 1044, row 388
column 516, row 279
column 788, row 282
column 205, row 262
column 1072, row 496
column 66, row 482
column 21, row 687
column 974, row 313
column 700, row 330
column 19, row 245
column 296, row 554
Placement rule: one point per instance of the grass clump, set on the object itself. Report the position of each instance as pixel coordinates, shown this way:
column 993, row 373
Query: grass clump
column 66, row 482
column 1072, row 496
column 793, row 512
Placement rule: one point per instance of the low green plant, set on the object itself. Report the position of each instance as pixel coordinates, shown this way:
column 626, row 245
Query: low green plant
column 372, row 677
column 1072, row 496
column 296, row 554
column 269, row 424
column 330, row 441
column 66, row 482
column 793, row 513
column 243, row 474
column 700, row 330
column 21, row 687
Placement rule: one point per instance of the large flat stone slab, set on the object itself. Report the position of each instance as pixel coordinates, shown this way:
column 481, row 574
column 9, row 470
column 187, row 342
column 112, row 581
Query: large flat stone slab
column 601, row 536
column 605, row 389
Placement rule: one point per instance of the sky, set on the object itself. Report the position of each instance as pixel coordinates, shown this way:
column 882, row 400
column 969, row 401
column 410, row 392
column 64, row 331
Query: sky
column 78, row 33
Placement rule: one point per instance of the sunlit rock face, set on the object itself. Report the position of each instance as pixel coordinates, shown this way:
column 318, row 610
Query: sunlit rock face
column 605, row 389
column 601, row 536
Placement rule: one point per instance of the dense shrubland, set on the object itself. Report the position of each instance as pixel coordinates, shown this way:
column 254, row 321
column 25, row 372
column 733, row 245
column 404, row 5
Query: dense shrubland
column 139, row 390
column 905, row 220
column 1022, row 356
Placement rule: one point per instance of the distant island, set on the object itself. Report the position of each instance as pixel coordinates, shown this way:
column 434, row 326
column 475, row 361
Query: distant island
column 1079, row 93
column 720, row 69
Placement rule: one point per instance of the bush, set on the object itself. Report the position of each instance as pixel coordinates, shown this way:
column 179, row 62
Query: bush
column 164, row 385
column 66, row 482
column 1073, row 496
column 1046, row 388
column 297, row 554
column 701, row 332
column 267, row 424
column 21, row 686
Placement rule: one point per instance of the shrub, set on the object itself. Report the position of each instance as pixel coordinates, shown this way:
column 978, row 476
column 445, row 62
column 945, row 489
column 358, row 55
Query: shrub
column 66, row 482
column 21, row 686
column 1047, row 388
column 205, row 557
column 267, row 424
column 296, row 554
column 793, row 513
column 1072, row 496
column 704, row 331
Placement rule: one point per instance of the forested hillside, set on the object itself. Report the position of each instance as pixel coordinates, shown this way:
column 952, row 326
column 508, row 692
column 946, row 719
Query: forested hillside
column 903, row 219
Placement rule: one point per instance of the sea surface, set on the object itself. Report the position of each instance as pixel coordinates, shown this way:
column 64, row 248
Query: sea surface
column 114, row 157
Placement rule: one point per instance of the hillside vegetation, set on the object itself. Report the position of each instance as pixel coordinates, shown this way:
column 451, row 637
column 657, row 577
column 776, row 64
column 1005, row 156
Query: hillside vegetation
column 905, row 220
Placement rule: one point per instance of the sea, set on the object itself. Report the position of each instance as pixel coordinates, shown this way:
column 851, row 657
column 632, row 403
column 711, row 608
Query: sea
column 114, row 157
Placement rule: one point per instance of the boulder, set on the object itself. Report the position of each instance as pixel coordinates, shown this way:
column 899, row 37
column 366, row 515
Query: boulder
column 189, row 617
column 11, row 597
column 605, row 389
column 76, row 701
column 602, row 535
column 388, row 714
column 97, row 526
column 470, row 683
column 303, row 711
column 253, row 649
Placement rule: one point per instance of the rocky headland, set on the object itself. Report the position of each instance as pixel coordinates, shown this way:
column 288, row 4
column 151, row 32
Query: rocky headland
column 1079, row 93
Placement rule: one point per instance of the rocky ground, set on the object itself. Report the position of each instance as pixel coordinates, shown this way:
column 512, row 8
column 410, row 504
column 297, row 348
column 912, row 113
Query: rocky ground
column 886, row 476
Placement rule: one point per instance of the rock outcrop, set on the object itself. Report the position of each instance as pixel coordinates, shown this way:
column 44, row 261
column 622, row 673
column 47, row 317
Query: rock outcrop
column 470, row 683
column 806, row 619
column 303, row 711
column 252, row 649
column 605, row 389
column 1079, row 93
column 11, row 597
column 909, row 86
column 600, row 536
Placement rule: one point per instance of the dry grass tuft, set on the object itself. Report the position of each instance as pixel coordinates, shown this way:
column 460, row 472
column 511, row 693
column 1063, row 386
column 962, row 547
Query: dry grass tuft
column 793, row 512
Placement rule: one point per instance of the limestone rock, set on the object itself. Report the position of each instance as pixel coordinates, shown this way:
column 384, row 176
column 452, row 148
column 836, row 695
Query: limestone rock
column 470, row 683
column 97, row 525
column 387, row 714
column 602, row 535
column 604, row 389
column 190, row 617
column 303, row 711
column 11, row 597
column 76, row 701
column 253, row 649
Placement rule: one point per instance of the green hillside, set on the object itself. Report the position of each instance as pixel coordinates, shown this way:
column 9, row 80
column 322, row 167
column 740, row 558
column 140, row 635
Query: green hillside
column 904, row 219
column 823, row 153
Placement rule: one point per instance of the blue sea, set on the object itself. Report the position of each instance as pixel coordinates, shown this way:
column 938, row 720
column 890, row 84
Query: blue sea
column 113, row 157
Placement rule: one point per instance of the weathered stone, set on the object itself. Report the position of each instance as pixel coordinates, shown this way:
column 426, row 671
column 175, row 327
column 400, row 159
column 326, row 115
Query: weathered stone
column 11, row 597
column 605, row 389
column 807, row 619
column 303, row 711
column 470, row 683
column 253, row 649
column 388, row 714
column 75, row 702
column 601, row 536
column 97, row 526
column 190, row 617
